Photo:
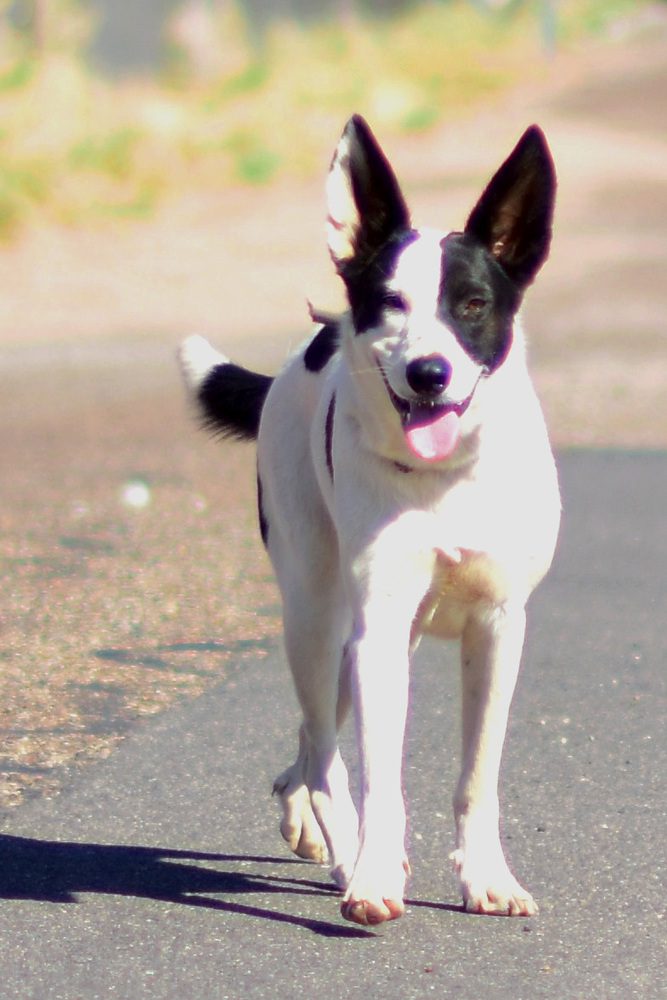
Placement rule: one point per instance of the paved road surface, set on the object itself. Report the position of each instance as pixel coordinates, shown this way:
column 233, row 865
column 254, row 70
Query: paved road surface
column 159, row 873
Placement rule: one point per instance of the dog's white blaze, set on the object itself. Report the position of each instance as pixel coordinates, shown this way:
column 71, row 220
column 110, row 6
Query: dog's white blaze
column 417, row 277
column 418, row 269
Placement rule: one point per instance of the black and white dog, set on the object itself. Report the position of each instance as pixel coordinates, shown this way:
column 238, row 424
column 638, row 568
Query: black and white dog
column 406, row 486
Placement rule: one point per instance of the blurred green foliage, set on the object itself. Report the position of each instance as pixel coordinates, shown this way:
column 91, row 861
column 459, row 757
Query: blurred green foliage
column 76, row 146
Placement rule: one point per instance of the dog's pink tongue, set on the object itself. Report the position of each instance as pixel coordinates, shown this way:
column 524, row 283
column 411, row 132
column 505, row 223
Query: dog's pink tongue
column 435, row 440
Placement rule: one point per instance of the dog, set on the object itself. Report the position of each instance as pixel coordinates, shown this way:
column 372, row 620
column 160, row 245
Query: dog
column 406, row 485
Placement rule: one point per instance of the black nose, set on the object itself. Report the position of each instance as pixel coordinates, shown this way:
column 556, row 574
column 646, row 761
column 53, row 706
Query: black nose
column 428, row 376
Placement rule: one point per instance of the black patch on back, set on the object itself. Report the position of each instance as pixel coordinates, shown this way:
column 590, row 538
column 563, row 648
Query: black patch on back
column 321, row 348
column 231, row 399
column 477, row 299
column 263, row 521
column 366, row 277
column 328, row 435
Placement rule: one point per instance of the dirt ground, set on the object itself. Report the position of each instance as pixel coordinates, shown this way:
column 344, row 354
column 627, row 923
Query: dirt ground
column 132, row 571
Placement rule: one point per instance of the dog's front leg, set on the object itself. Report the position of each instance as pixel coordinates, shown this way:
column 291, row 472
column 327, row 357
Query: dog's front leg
column 385, row 601
column 491, row 648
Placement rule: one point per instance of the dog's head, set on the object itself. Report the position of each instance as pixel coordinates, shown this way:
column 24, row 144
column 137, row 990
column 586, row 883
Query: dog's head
column 432, row 312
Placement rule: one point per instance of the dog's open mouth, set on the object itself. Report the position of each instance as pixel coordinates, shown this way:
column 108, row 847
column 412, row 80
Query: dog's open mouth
column 431, row 428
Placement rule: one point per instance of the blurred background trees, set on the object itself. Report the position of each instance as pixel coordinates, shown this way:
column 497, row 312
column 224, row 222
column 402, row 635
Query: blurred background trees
column 108, row 106
column 131, row 35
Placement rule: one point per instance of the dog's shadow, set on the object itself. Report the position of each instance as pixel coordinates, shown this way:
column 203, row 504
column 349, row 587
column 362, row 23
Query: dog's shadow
column 56, row 872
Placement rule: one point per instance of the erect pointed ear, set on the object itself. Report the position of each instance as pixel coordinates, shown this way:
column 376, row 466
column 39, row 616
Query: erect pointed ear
column 513, row 217
column 365, row 204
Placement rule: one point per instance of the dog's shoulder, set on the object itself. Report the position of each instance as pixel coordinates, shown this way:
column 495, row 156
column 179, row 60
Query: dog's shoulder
column 323, row 343
column 301, row 383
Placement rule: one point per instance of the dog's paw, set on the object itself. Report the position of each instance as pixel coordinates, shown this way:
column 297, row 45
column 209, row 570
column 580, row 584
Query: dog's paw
column 375, row 894
column 298, row 825
column 370, row 912
column 492, row 889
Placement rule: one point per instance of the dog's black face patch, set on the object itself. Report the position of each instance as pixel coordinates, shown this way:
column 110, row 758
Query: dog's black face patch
column 477, row 300
column 321, row 348
column 366, row 281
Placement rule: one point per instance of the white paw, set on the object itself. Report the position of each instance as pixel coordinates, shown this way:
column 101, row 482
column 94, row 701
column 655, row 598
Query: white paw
column 489, row 887
column 298, row 825
column 376, row 891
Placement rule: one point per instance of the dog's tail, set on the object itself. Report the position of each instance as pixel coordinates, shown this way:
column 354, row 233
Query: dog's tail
column 229, row 398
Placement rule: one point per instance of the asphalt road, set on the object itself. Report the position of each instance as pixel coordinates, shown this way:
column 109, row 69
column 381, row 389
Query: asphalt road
column 160, row 872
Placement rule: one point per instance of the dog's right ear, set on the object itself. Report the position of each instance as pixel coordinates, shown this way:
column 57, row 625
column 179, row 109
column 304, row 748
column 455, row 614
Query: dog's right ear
column 365, row 205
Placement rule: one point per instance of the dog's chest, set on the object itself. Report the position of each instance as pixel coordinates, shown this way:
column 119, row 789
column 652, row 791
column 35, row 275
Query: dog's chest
column 476, row 581
column 490, row 547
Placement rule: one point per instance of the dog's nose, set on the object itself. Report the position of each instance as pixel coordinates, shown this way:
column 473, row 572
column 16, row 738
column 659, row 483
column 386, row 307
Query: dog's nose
column 428, row 376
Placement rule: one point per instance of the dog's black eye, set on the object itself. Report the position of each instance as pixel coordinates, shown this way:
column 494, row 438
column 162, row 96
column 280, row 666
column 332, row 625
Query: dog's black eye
column 474, row 307
column 395, row 301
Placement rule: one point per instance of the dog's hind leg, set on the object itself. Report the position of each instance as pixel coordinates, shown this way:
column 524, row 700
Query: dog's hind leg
column 319, row 820
column 298, row 825
column 303, row 547
column 314, row 628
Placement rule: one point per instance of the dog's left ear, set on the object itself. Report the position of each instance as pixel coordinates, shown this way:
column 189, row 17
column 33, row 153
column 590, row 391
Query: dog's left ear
column 365, row 205
column 513, row 218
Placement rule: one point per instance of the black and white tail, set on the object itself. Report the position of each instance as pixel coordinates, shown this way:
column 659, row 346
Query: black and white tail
column 229, row 398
